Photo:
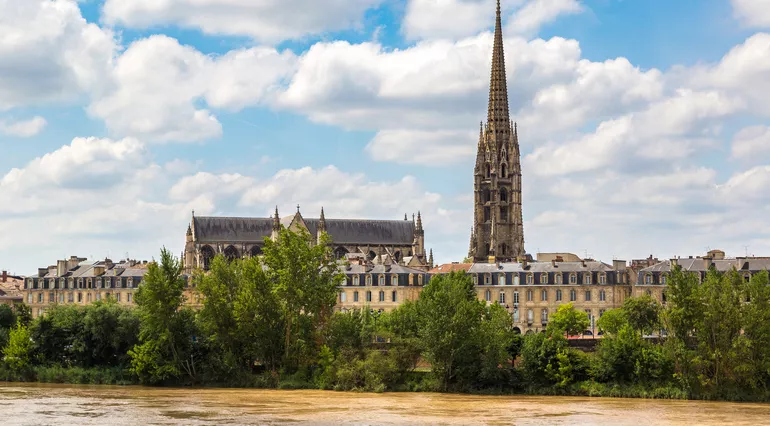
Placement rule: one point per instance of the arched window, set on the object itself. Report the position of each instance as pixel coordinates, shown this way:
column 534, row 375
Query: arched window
column 382, row 296
column 503, row 171
column 488, row 296
column 558, row 278
column 602, row 278
column 340, row 252
column 382, row 280
column 356, row 280
column 488, row 171
column 231, row 253
column 487, row 196
column 419, row 279
column 207, row 254
column 558, row 295
column 530, row 278
column 544, row 316
column 544, row 278
column 369, row 280
column 503, row 195
column 587, row 278
column 573, row 278
column 394, row 280
column 648, row 279
column 501, row 279
column 255, row 251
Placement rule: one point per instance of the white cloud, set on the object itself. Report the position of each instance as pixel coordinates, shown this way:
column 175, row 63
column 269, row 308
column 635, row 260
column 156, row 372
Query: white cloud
column 427, row 147
column 158, row 86
column 752, row 143
column 752, row 13
column 23, row 128
column 454, row 19
column 48, row 52
column 537, row 13
column 264, row 20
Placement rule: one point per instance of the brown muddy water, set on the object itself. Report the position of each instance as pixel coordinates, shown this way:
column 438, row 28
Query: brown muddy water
column 41, row 404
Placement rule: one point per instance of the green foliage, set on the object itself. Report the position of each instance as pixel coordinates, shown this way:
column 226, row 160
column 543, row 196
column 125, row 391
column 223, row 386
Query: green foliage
column 167, row 332
column 568, row 320
column 612, row 321
column 23, row 313
column 642, row 313
column 7, row 317
column 17, row 353
column 304, row 279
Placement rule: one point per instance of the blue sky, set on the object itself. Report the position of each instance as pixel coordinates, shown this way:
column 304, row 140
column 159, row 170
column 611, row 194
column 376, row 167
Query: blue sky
column 642, row 125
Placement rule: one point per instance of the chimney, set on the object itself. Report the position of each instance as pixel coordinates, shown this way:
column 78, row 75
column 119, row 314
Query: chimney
column 5, row 276
column 706, row 263
column 61, row 267
column 553, row 262
column 98, row 270
column 674, row 262
column 41, row 272
column 583, row 262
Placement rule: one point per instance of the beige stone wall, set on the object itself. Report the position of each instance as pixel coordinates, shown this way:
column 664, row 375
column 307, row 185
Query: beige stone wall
column 124, row 296
column 346, row 297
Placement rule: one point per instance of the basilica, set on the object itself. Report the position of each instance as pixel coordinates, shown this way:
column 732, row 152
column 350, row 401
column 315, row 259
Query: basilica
column 400, row 242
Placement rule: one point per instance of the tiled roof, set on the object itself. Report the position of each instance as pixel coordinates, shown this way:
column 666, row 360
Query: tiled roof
column 450, row 267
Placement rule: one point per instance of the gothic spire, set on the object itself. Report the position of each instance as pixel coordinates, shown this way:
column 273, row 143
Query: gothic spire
column 276, row 219
column 322, row 221
column 419, row 221
column 497, row 114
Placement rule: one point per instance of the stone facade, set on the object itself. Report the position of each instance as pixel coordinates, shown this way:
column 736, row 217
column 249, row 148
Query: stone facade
column 498, row 230
column 79, row 281
column 378, row 285
column 402, row 241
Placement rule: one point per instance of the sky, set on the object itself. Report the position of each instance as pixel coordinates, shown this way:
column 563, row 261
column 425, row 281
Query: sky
column 644, row 124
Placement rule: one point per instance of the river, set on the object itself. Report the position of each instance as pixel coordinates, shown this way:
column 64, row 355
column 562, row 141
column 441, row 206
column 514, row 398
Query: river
column 41, row 404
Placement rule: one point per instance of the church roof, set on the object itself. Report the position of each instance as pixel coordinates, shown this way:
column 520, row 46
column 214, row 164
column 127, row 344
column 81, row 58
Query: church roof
column 342, row 231
column 231, row 229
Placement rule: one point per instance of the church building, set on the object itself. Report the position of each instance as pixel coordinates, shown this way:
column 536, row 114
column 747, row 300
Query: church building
column 400, row 242
column 498, row 230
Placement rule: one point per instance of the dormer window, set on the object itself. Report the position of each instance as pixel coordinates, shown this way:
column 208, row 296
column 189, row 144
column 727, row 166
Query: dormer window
column 382, row 280
column 558, row 278
column 368, row 280
column 530, row 278
column 544, row 278
column 648, row 278
column 130, row 282
column 487, row 279
column 501, row 279
column 602, row 278
column 573, row 278
column 355, row 280
column 587, row 278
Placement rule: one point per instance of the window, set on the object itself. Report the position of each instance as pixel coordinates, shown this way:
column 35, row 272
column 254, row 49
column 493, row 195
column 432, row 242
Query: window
column 544, row 278
column 516, row 279
column 590, row 316
column 602, row 278
column 419, row 279
column 558, row 295
column 29, row 298
column 117, row 297
column 394, row 280
column 587, row 278
column 89, row 283
column 368, row 296
column 355, row 296
column 588, row 295
column 40, row 298
column 50, row 297
column 80, row 297
column 663, row 279
column 487, row 279
column 530, row 316
column 529, row 278
column 98, row 296
column 601, row 312
column 382, row 296
column 515, row 314
column 602, row 296
column 355, row 279
column 502, row 298
column 648, row 279
column 544, row 316
column 128, row 297
column 573, row 278
column 529, row 295
column 572, row 295
column 475, row 279
column 501, row 279
column 61, row 297
column 393, row 296
column 558, row 278
column 88, row 297
column 620, row 278
column 368, row 280
column 108, row 283
column 382, row 280
column 488, row 296
column 343, row 297
column 515, row 297
column 544, row 295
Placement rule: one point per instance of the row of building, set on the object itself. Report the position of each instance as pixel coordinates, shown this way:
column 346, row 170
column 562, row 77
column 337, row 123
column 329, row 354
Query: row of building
column 530, row 289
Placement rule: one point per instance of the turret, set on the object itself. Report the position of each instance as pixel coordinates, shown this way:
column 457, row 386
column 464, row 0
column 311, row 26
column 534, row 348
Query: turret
column 321, row 226
column 276, row 225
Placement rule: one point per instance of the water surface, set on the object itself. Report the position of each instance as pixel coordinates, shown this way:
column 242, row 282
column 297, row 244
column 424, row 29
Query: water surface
column 41, row 404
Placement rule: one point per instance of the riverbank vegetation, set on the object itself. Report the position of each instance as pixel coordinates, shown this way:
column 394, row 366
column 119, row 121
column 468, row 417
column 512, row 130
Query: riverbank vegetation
column 270, row 322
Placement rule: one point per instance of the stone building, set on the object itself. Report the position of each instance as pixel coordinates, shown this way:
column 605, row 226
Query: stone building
column 402, row 241
column 498, row 230
column 532, row 291
column 11, row 289
column 652, row 280
column 378, row 284
column 79, row 281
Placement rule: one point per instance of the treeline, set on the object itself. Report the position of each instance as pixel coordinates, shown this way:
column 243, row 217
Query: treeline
column 270, row 322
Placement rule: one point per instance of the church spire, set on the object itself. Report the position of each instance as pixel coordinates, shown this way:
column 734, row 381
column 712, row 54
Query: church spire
column 497, row 114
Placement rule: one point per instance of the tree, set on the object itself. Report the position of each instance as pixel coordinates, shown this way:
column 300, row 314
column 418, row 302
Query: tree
column 450, row 328
column 612, row 321
column 753, row 343
column 17, row 351
column 7, row 317
column 568, row 320
column 166, row 330
column 23, row 313
column 642, row 313
column 304, row 278
column 497, row 340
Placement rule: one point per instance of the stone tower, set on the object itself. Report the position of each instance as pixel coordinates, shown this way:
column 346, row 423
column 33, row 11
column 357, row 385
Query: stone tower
column 498, row 231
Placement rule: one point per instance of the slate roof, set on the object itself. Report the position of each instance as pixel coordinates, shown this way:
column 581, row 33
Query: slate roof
column 342, row 231
column 698, row 264
column 590, row 266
